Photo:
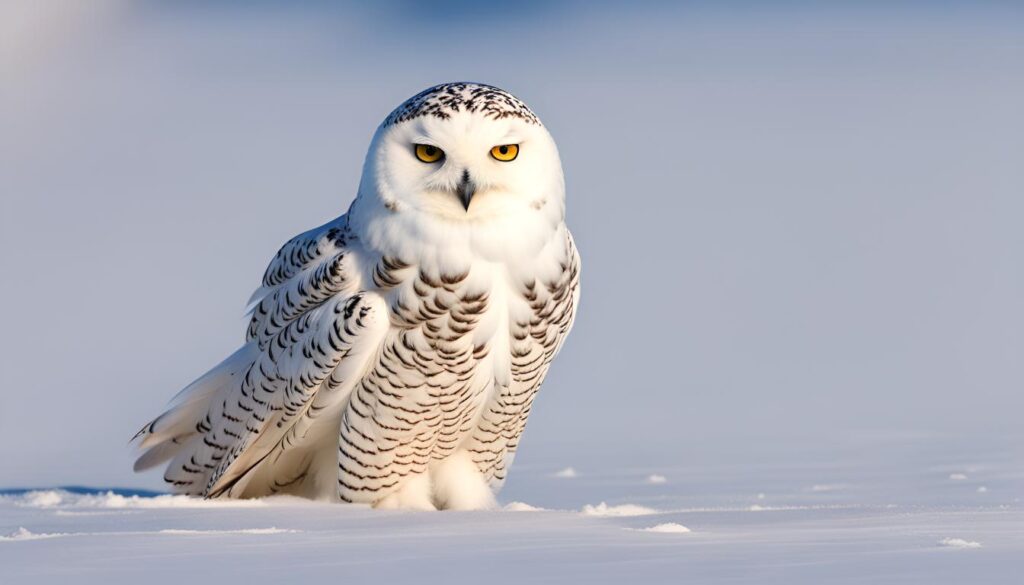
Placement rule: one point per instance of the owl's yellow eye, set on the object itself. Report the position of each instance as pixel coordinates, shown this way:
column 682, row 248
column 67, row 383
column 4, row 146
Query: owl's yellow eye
column 505, row 152
column 428, row 153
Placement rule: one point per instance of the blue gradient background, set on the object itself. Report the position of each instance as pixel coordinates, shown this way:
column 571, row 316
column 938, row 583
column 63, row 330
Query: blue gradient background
column 801, row 223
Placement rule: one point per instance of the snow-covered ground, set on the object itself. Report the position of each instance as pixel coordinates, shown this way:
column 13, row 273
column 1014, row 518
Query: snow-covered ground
column 913, row 519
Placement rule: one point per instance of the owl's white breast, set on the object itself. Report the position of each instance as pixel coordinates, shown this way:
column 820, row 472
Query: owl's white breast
column 496, row 256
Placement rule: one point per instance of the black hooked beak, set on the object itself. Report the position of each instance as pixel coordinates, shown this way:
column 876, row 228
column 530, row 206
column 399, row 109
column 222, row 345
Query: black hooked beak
column 465, row 190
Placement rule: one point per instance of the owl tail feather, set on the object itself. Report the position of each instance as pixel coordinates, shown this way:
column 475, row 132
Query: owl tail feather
column 166, row 435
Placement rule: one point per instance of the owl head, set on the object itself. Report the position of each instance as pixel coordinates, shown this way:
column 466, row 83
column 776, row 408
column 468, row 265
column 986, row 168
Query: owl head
column 462, row 153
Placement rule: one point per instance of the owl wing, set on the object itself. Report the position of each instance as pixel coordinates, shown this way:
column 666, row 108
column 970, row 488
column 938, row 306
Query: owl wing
column 311, row 336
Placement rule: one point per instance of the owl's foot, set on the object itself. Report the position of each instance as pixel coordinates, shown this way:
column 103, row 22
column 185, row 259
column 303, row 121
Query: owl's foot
column 413, row 494
column 459, row 485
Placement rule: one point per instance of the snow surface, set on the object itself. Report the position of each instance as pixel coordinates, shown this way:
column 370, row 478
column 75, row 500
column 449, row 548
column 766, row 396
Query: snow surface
column 604, row 509
column 959, row 543
column 668, row 527
column 812, row 521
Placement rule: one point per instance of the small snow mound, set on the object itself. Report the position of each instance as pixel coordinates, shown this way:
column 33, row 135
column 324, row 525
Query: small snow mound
column 827, row 487
column 566, row 473
column 23, row 533
column 757, row 508
column 982, row 489
column 270, row 530
column 107, row 500
column 47, row 499
column 957, row 476
column 604, row 509
column 959, row 543
column 521, row 507
column 654, row 478
column 667, row 527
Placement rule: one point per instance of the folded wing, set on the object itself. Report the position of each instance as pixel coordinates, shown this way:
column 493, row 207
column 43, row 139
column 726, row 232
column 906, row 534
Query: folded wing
column 248, row 426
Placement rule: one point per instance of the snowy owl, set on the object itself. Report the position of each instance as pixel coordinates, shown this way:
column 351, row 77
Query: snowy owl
column 394, row 353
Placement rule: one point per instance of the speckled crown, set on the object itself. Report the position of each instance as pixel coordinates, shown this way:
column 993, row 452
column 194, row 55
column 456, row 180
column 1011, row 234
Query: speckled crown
column 441, row 101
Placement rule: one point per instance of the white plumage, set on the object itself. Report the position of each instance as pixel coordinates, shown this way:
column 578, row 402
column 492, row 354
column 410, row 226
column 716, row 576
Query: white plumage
column 394, row 353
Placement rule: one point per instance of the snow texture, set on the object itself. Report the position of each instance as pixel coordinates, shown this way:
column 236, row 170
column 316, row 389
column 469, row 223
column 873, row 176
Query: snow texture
column 604, row 509
column 521, row 507
column 667, row 527
column 23, row 534
column 716, row 522
column 959, row 543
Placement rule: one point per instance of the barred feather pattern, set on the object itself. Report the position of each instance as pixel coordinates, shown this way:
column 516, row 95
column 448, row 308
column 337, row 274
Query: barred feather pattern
column 437, row 388
column 535, row 342
column 388, row 345
column 310, row 317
